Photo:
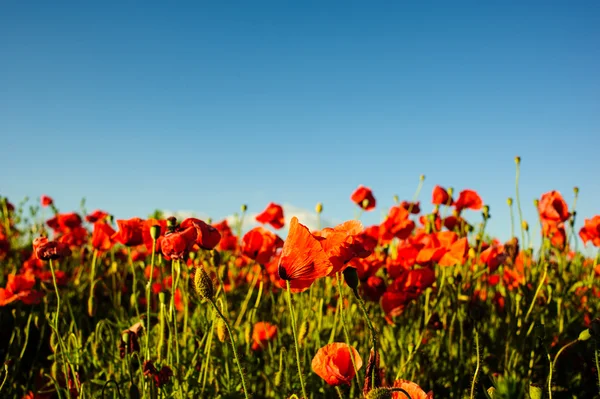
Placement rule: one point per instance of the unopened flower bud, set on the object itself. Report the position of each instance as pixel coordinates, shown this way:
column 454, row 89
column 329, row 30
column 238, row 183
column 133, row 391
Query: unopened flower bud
column 422, row 177
column 396, row 199
column 509, row 201
column 525, row 225
column 585, row 335
column 576, row 190
column 450, row 192
column 486, row 212
column 155, row 231
column 536, row 202
column 351, row 278
column 222, row 330
column 319, row 208
column 365, row 203
column 535, row 392
column 244, row 208
column 517, row 160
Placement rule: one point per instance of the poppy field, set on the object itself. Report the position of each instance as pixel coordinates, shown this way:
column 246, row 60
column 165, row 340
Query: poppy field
column 425, row 304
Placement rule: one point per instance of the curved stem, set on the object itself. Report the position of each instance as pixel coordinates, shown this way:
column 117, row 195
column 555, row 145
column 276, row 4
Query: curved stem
column 289, row 300
column 478, row 365
column 233, row 345
column 148, row 293
column 345, row 329
column 361, row 304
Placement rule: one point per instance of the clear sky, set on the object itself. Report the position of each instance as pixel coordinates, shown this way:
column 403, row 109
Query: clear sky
column 204, row 106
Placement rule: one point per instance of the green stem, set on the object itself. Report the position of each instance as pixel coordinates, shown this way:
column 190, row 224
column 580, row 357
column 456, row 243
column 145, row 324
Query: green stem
column 233, row 346
column 518, row 199
column 293, row 319
column 361, row 304
column 596, row 355
column 148, row 298
column 478, row 365
column 344, row 328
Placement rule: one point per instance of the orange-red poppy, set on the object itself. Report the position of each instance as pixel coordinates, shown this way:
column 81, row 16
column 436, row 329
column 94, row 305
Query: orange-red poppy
column 415, row 391
column 262, row 333
column 46, row 201
column 46, row 250
column 468, row 199
column 260, row 244
column 130, row 232
column 102, row 236
column 440, row 196
column 553, row 208
column 303, row 259
column 363, row 197
column 591, row 231
column 333, row 363
column 273, row 215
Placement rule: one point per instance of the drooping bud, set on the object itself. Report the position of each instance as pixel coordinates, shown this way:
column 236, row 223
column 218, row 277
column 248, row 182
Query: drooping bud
column 536, row 202
column 216, row 258
column 509, row 201
column 525, row 225
column 351, row 278
column 244, row 208
column 486, row 212
column 171, row 223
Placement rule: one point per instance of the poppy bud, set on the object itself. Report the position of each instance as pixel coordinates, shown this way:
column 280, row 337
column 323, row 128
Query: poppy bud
column 303, row 331
column 203, row 284
column 535, row 392
column 450, row 191
column 422, row 177
column 509, row 201
column 319, row 208
column 155, row 231
column 525, row 225
column 536, row 202
column 585, row 335
column 380, row 393
column 576, row 190
column 486, row 212
column 396, row 199
column 248, row 333
column 209, row 220
column 517, row 160
column 365, row 203
column 91, row 306
column 491, row 391
column 171, row 222
column 244, row 208
column 134, row 391
column 222, row 330
column 351, row 278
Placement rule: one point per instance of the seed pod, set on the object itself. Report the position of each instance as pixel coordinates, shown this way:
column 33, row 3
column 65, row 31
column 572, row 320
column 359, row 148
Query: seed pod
column 303, row 331
column 203, row 284
column 222, row 331
column 319, row 208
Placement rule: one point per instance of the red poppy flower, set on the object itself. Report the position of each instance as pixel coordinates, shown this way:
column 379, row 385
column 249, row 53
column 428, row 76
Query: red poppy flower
column 96, row 216
column 493, row 257
column 303, row 259
column 229, row 241
column 46, row 250
column 260, row 245
column 208, row 237
column 552, row 207
column 591, row 231
column 333, row 363
column 468, row 199
column 178, row 244
column 147, row 236
column 130, row 232
column 64, row 222
column 340, row 245
column 373, row 288
column 413, row 207
column 457, row 254
column 440, row 196
column 397, row 224
column 363, row 197
column 273, row 215
column 46, row 201
column 20, row 288
column 555, row 232
column 262, row 333
column 409, row 286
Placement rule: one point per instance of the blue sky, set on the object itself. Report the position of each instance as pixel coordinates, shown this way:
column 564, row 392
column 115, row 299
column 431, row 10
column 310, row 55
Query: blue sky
column 208, row 105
